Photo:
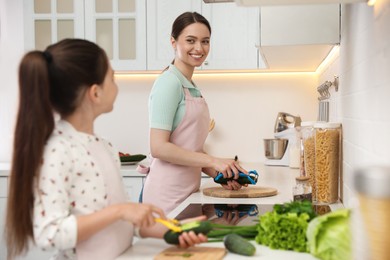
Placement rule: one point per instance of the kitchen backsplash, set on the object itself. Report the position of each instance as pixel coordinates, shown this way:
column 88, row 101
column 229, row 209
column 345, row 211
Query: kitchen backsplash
column 244, row 107
column 363, row 100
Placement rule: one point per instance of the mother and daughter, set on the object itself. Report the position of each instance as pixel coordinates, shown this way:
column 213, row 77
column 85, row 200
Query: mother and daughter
column 66, row 192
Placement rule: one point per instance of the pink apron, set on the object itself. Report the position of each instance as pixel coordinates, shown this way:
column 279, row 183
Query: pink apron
column 110, row 242
column 167, row 184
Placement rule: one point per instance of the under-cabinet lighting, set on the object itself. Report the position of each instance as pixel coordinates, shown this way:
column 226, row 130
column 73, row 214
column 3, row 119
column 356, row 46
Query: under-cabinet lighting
column 333, row 54
column 238, row 73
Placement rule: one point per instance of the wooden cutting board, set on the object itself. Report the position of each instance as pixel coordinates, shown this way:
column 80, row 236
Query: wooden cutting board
column 244, row 192
column 192, row 253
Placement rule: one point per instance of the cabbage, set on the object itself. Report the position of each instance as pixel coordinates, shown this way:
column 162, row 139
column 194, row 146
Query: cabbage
column 329, row 236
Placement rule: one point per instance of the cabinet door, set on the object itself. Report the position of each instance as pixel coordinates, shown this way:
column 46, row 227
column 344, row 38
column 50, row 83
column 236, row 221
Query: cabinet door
column 3, row 206
column 34, row 253
column 49, row 21
column 298, row 25
column 234, row 37
column 133, row 187
column 160, row 17
column 118, row 26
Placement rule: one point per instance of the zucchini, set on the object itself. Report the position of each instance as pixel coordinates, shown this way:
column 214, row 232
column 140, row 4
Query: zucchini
column 204, row 227
column 132, row 158
column 239, row 245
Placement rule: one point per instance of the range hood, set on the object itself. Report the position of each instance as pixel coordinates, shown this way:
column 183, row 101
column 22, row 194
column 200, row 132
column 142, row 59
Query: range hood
column 283, row 2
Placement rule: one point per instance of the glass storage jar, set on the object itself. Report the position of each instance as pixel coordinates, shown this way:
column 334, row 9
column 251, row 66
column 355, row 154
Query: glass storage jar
column 372, row 185
column 308, row 153
column 302, row 190
column 327, row 161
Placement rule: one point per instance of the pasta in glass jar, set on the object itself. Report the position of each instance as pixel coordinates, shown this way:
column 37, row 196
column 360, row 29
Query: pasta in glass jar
column 327, row 162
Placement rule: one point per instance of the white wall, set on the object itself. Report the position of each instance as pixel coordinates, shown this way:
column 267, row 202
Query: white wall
column 362, row 103
column 244, row 107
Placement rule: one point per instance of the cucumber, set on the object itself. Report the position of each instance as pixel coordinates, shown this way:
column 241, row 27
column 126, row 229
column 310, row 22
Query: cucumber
column 132, row 158
column 203, row 227
column 239, row 245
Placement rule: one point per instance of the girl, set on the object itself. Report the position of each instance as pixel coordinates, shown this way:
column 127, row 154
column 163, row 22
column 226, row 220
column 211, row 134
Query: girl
column 66, row 191
column 179, row 122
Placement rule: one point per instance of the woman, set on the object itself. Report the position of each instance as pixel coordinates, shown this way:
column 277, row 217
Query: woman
column 66, row 192
column 179, row 122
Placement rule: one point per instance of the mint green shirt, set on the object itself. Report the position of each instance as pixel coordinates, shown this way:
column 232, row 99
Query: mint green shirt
column 166, row 100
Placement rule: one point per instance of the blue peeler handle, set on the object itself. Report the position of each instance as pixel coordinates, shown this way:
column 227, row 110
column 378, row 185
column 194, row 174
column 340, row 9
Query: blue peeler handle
column 250, row 178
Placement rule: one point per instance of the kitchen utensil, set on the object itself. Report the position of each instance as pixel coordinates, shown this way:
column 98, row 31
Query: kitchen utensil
column 172, row 224
column 285, row 121
column 244, row 192
column 250, row 178
column 323, row 103
column 323, row 110
column 289, row 134
column 241, row 209
column 192, row 253
column 275, row 148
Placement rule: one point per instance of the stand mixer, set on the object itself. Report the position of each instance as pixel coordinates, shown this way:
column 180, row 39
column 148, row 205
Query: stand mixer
column 284, row 129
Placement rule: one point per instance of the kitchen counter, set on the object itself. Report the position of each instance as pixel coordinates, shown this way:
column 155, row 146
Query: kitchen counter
column 281, row 178
column 5, row 169
column 126, row 170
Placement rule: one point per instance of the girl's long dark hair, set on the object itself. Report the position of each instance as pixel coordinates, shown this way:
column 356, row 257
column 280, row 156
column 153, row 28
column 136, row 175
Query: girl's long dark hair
column 49, row 81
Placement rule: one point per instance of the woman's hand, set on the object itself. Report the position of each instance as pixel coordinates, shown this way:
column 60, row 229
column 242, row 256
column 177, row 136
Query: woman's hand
column 230, row 218
column 233, row 185
column 229, row 168
column 187, row 239
column 140, row 214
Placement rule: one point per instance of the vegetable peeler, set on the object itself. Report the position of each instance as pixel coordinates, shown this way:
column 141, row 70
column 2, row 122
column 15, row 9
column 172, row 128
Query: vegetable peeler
column 250, row 178
column 172, row 224
column 242, row 209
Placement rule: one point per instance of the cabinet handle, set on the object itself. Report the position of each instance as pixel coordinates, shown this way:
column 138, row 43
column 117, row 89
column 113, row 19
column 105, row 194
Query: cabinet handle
column 206, row 63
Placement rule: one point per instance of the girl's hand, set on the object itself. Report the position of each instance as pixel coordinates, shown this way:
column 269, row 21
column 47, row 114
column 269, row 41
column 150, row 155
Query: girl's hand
column 187, row 239
column 140, row 214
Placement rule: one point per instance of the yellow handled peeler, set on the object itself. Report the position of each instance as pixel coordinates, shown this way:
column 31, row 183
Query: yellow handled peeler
column 172, row 224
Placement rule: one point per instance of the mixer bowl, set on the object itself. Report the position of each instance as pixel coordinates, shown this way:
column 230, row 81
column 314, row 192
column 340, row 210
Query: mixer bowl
column 275, row 148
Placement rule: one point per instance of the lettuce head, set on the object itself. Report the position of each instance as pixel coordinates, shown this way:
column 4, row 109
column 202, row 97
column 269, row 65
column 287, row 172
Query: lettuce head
column 329, row 236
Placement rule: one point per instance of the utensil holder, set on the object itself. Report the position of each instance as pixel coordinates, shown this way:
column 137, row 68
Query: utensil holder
column 323, row 111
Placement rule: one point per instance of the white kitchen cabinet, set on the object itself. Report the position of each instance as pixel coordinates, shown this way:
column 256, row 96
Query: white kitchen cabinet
column 34, row 253
column 234, row 38
column 118, row 26
column 133, row 186
column 298, row 38
column 3, row 206
column 160, row 17
column 48, row 21
column 296, row 25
